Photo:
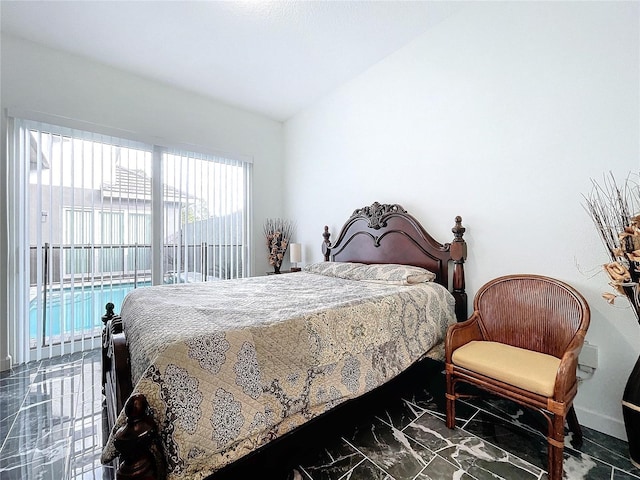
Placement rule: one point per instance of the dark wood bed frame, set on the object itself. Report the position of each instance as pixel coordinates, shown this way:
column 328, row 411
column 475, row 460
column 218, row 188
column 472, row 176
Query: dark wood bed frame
column 380, row 233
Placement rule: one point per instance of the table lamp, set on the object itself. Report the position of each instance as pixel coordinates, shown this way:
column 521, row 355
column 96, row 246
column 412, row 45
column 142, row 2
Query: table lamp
column 295, row 255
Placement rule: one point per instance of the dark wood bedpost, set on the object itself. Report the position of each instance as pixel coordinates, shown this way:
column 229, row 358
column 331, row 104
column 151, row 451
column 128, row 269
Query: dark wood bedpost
column 326, row 244
column 459, row 255
column 134, row 441
column 116, row 371
column 106, row 364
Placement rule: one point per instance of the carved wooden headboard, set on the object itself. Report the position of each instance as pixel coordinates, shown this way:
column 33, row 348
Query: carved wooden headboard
column 385, row 233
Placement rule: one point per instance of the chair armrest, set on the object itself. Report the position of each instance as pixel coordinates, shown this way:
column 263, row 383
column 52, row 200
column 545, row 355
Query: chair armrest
column 566, row 376
column 462, row 333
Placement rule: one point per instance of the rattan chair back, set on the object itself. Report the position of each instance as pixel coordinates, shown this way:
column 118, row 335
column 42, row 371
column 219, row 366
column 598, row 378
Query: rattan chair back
column 532, row 312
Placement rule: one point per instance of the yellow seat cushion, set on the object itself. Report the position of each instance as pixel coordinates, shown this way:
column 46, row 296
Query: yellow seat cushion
column 531, row 371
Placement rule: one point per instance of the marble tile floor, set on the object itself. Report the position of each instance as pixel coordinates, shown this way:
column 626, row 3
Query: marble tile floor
column 51, row 419
column 51, row 429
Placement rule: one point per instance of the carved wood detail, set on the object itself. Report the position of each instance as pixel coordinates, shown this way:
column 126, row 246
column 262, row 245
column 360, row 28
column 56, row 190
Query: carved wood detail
column 376, row 213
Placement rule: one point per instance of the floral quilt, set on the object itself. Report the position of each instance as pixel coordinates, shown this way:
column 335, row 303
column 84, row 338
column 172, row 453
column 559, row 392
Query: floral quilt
column 228, row 366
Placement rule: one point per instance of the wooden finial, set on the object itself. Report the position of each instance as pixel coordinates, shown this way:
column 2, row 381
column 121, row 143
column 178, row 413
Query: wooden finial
column 458, row 252
column 110, row 314
column 326, row 244
column 133, row 442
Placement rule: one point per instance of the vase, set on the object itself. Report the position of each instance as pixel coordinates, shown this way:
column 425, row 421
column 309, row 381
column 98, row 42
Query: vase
column 631, row 413
column 276, row 268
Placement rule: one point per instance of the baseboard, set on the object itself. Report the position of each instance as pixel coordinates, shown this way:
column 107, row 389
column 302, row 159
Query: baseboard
column 602, row 423
column 5, row 363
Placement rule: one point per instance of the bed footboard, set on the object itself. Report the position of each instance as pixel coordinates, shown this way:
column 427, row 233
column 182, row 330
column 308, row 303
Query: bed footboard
column 133, row 441
column 116, row 371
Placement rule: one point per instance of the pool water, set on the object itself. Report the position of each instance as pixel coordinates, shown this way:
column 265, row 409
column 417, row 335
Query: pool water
column 76, row 311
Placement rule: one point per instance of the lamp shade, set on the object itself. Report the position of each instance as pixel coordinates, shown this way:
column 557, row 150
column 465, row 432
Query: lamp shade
column 295, row 252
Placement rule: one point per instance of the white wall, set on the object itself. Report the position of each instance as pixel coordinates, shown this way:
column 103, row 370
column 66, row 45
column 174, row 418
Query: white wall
column 39, row 79
column 500, row 114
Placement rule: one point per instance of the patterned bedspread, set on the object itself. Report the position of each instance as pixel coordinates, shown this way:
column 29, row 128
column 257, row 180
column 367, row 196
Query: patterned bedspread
column 228, row 366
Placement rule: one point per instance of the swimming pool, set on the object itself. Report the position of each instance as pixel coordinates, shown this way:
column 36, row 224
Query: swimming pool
column 76, row 311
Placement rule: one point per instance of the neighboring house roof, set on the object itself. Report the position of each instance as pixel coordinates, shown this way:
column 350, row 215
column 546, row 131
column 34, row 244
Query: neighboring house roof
column 136, row 185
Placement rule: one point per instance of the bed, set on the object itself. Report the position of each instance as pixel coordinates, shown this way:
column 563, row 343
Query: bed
column 202, row 379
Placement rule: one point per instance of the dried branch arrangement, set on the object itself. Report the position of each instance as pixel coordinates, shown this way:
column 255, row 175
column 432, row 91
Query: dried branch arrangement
column 615, row 210
column 278, row 233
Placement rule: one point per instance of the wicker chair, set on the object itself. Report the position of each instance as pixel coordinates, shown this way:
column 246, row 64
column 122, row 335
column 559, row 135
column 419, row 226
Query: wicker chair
column 522, row 343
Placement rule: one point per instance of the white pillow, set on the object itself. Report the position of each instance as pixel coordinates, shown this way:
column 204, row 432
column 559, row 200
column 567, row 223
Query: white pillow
column 389, row 273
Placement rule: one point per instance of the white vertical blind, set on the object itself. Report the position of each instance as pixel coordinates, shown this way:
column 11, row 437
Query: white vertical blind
column 18, row 282
column 79, row 187
column 81, row 217
column 206, row 223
